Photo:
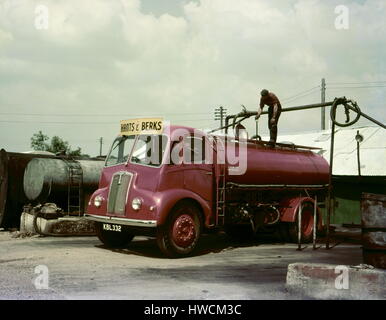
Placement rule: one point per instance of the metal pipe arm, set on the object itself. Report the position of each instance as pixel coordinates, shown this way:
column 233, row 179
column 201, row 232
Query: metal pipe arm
column 348, row 104
column 246, row 114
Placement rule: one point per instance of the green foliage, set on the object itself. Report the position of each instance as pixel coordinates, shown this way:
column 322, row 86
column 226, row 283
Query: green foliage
column 39, row 142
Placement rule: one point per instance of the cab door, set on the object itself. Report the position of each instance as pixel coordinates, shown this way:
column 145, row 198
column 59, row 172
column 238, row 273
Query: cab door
column 198, row 166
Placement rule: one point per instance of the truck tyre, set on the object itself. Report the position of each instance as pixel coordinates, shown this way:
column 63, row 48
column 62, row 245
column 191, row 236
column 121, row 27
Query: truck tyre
column 307, row 224
column 113, row 239
column 180, row 234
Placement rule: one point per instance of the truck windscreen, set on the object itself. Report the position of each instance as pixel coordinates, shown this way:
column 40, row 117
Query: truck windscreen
column 120, row 150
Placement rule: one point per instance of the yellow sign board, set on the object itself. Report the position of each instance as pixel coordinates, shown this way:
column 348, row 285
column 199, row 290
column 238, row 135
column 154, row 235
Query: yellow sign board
column 140, row 126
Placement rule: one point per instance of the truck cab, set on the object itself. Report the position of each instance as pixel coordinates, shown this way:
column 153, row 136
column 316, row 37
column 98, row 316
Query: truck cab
column 147, row 187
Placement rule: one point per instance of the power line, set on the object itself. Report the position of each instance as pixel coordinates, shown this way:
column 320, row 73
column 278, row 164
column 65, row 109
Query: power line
column 298, row 97
column 99, row 115
column 83, row 122
column 357, row 82
column 302, row 92
column 361, row 87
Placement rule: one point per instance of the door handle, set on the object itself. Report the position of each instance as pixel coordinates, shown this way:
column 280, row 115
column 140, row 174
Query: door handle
column 208, row 173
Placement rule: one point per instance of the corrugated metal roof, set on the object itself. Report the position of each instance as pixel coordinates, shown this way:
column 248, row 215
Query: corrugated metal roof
column 372, row 149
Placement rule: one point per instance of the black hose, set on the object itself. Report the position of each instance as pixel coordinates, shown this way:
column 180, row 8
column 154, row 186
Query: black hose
column 353, row 107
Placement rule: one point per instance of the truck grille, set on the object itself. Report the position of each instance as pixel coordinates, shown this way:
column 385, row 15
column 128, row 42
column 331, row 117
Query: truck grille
column 118, row 193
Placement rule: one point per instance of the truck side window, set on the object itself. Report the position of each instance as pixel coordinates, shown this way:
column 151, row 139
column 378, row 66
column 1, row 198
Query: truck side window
column 194, row 150
column 149, row 150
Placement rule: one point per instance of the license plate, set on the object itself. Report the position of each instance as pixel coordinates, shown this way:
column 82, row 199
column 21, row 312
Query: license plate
column 112, row 227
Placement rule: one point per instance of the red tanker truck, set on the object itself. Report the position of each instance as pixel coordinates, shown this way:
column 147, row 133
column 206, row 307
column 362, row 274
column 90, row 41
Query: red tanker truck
column 175, row 183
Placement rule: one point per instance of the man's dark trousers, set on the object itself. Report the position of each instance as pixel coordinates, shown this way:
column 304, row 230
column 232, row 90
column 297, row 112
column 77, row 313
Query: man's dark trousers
column 273, row 127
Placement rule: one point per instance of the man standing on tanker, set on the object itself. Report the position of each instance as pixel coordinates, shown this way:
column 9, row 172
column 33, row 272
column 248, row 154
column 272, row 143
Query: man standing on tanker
column 274, row 111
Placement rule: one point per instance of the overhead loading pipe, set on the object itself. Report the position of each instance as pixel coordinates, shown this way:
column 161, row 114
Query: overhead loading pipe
column 342, row 101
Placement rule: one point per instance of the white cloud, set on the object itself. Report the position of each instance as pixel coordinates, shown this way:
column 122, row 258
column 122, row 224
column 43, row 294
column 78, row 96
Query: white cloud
column 109, row 57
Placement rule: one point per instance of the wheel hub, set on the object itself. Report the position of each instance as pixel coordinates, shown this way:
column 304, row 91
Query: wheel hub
column 184, row 231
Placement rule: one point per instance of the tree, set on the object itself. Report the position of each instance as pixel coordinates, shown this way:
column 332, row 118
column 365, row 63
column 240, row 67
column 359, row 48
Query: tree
column 59, row 145
column 56, row 145
column 38, row 142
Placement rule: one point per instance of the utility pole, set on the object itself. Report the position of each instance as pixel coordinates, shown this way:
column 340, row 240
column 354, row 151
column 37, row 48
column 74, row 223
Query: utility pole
column 323, row 100
column 100, row 145
column 219, row 114
column 359, row 139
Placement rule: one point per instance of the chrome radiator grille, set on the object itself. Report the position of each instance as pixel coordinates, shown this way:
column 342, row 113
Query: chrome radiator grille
column 118, row 193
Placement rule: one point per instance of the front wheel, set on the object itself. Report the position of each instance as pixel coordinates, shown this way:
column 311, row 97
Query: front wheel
column 180, row 234
column 113, row 239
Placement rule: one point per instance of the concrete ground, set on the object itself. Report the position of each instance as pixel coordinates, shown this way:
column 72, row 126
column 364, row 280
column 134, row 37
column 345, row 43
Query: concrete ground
column 82, row 268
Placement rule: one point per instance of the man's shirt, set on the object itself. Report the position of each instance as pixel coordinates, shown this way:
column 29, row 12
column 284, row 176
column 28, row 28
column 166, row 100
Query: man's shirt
column 270, row 100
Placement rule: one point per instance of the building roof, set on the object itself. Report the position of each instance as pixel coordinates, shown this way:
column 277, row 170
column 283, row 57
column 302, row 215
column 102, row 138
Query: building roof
column 372, row 149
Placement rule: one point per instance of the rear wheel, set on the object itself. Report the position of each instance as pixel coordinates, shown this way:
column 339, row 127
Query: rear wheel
column 113, row 239
column 180, row 234
column 307, row 224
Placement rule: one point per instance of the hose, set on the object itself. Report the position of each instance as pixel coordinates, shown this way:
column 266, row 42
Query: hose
column 353, row 107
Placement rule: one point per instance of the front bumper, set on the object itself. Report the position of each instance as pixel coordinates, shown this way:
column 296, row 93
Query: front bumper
column 122, row 221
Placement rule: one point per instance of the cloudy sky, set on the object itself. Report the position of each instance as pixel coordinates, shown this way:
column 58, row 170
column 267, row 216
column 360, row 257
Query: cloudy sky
column 95, row 62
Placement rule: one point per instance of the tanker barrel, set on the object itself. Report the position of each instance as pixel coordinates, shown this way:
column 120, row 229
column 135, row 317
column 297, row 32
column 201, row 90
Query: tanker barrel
column 51, row 177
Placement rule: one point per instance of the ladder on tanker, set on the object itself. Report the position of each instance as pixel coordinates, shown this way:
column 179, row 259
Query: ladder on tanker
column 221, row 195
column 74, row 187
column 220, row 174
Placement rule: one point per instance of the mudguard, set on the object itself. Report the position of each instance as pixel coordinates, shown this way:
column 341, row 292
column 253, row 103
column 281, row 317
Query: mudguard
column 168, row 199
column 290, row 206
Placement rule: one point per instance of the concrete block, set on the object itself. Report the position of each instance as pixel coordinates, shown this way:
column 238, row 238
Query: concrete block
column 60, row 226
column 327, row 281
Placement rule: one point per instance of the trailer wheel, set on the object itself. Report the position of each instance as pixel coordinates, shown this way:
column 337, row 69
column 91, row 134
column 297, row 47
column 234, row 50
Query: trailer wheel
column 180, row 234
column 112, row 239
column 307, row 224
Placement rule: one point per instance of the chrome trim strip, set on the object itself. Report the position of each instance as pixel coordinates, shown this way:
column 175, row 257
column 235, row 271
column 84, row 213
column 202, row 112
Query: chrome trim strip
column 123, row 221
